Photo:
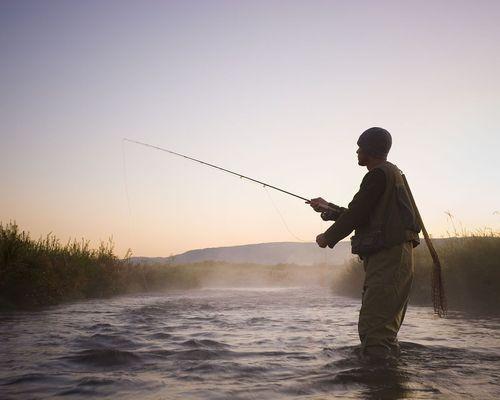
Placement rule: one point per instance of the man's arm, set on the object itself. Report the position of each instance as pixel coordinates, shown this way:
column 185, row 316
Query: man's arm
column 334, row 213
column 358, row 211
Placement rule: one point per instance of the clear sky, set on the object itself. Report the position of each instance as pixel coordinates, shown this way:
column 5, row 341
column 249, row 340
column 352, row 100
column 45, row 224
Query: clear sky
column 278, row 90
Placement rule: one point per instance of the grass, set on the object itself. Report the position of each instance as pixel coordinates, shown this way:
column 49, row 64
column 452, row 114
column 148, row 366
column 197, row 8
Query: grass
column 42, row 272
column 471, row 272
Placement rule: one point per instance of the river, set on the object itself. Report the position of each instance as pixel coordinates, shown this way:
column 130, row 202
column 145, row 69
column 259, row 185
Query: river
column 239, row 343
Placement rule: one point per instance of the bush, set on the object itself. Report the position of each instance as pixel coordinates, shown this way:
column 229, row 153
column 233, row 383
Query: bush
column 471, row 273
column 42, row 272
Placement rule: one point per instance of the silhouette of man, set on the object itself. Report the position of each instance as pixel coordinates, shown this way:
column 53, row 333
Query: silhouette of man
column 386, row 230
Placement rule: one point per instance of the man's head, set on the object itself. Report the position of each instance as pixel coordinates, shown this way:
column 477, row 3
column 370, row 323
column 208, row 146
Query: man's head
column 374, row 144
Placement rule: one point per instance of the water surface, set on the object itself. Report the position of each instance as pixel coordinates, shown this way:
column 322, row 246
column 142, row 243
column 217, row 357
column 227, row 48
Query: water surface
column 230, row 343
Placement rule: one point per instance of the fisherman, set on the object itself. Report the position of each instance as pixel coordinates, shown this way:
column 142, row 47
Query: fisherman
column 386, row 231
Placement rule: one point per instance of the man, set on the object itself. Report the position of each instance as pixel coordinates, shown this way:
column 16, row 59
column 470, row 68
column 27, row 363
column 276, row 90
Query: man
column 385, row 233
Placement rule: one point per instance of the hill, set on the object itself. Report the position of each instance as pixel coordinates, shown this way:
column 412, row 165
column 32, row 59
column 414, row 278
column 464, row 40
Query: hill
column 260, row 253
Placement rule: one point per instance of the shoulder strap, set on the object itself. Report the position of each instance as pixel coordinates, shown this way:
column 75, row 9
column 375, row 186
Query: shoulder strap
column 382, row 210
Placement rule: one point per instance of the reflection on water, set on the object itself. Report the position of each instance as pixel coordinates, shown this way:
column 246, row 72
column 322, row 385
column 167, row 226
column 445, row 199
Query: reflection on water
column 239, row 344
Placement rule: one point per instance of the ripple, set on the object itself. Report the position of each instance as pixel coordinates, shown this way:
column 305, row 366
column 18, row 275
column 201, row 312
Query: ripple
column 104, row 357
column 26, row 378
column 204, row 343
column 99, row 340
column 200, row 354
column 160, row 335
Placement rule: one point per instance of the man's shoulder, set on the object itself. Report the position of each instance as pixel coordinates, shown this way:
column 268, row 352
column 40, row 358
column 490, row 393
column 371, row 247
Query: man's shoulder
column 387, row 167
column 374, row 176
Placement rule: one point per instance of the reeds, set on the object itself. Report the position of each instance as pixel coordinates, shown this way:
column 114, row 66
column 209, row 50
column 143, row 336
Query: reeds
column 471, row 271
column 44, row 271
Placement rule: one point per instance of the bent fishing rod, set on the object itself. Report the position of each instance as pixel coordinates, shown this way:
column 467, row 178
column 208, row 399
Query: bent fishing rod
column 222, row 169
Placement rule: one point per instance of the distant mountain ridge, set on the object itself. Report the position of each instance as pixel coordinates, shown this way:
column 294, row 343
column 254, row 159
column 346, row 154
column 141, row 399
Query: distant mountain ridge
column 260, row 253
column 268, row 254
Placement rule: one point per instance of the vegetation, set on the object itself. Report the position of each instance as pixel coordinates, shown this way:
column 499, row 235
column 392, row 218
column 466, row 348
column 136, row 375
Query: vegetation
column 44, row 271
column 471, row 273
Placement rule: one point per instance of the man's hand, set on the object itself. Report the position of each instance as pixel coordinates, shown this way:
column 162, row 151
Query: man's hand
column 320, row 239
column 319, row 204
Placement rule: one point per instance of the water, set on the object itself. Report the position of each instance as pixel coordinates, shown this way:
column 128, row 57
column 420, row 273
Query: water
column 252, row 343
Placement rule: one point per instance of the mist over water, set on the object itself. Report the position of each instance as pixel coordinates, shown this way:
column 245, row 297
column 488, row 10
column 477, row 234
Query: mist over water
column 238, row 343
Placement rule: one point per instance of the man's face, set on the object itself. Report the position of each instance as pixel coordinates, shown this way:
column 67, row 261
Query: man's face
column 362, row 157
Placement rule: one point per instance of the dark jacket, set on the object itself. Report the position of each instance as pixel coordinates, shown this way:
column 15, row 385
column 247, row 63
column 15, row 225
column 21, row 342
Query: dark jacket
column 381, row 204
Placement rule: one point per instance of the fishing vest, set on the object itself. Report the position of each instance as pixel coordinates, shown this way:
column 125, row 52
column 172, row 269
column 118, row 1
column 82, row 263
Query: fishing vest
column 392, row 221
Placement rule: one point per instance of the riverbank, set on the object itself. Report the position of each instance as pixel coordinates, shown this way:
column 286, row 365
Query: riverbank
column 42, row 272
column 471, row 273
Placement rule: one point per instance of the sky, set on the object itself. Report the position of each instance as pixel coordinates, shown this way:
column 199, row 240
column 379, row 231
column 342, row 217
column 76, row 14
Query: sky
column 279, row 91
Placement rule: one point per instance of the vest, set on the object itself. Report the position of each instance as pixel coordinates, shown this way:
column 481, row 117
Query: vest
column 392, row 221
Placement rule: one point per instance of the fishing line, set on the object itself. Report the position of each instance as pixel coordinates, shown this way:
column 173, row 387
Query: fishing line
column 265, row 185
column 125, row 178
column 282, row 218
column 131, row 232
column 321, row 224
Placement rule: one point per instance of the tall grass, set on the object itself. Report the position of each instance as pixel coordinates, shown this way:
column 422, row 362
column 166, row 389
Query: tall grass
column 471, row 272
column 44, row 271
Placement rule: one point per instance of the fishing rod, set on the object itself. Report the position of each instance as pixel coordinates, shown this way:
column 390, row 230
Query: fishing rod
column 223, row 169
